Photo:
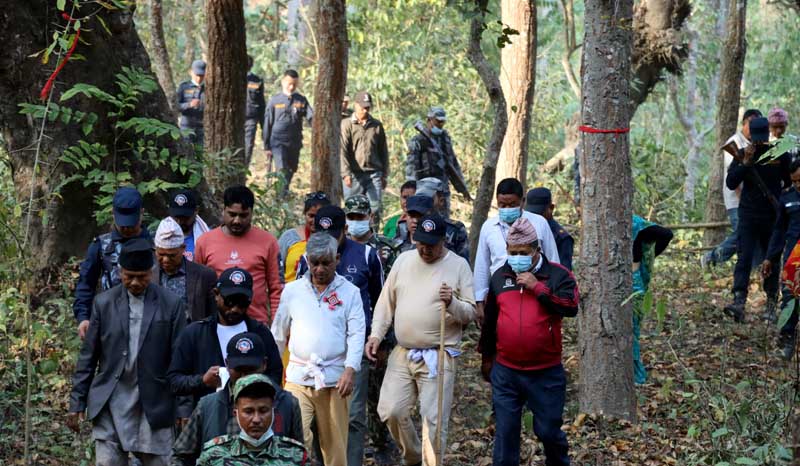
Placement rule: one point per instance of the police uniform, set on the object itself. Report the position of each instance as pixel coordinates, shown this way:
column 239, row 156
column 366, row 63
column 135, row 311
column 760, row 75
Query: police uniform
column 456, row 238
column 283, row 130
column 254, row 112
column 538, row 200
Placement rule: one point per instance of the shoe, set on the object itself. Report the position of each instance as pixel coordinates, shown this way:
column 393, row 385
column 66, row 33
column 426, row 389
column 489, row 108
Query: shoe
column 786, row 342
column 770, row 310
column 736, row 308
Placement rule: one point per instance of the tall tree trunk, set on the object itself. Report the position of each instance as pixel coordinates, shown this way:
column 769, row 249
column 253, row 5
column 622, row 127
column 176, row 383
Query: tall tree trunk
column 328, row 94
column 161, row 56
column 731, row 70
column 226, row 75
column 485, row 194
column 188, row 33
column 518, row 79
column 605, row 323
column 296, row 30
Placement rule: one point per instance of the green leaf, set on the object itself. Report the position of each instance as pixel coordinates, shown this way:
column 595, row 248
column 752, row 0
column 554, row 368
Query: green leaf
column 786, row 313
column 661, row 314
column 61, row 4
column 720, row 432
column 745, row 460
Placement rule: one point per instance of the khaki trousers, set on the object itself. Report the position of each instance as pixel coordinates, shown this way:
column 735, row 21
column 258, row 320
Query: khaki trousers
column 406, row 382
column 332, row 419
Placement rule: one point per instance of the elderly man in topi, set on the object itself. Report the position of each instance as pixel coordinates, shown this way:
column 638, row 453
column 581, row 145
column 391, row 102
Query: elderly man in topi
column 324, row 314
column 441, row 278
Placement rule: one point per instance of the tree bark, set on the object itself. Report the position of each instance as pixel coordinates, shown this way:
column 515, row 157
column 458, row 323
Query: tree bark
column 226, row 73
column 605, row 323
column 296, row 30
column 161, row 56
column 518, row 80
column 329, row 91
column 731, row 70
column 485, row 193
column 188, row 33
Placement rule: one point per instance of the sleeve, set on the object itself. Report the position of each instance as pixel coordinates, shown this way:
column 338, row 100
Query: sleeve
column 274, row 283
column 384, row 309
column 309, row 115
column 547, row 240
column 462, row 306
column 736, row 175
column 375, row 277
column 87, row 283
column 653, row 234
column 487, row 344
column 261, row 103
column 412, row 159
column 182, row 380
column 778, row 238
column 200, row 251
column 281, row 324
column 183, row 105
column 562, row 299
column 345, row 149
column 266, row 128
column 383, row 152
column 356, row 331
column 462, row 243
column 566, row 252
column 483, row 263
column 274, row 368
column 86, row 365
column 188, row 445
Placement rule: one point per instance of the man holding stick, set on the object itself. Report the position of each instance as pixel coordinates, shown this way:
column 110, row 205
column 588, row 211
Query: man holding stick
column 443, row 285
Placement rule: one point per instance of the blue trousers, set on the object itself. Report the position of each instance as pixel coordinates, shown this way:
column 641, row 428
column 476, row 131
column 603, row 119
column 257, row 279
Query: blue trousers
column 543, row 392
column 726, row 249
column 754, row 235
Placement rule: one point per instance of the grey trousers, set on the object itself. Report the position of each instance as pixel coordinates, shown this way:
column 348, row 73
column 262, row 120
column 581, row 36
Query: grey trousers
column 108, row 453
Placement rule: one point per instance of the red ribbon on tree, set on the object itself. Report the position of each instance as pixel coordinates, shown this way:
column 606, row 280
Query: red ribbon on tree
column 49, row 84
column 589, row 129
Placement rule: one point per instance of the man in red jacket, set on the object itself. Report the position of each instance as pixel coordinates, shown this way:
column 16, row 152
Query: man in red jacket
column 521, row 346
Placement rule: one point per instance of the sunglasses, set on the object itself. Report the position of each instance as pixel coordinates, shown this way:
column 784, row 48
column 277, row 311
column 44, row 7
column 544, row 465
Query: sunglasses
column 237, row 300
column 319, row 196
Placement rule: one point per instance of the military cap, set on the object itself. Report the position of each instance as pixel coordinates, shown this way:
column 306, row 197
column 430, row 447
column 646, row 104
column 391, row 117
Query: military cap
column 437, row 113
column 429, row 186
column 357, row 204
column 248, row 380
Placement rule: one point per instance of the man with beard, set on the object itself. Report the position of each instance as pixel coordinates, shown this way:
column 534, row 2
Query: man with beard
column 198, row 363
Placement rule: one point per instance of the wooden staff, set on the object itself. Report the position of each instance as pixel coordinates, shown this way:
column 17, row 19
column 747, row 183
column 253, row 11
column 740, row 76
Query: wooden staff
column 440, row 382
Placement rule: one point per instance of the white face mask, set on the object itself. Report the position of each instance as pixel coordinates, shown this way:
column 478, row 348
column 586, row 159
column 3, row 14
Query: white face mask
column 256, row 442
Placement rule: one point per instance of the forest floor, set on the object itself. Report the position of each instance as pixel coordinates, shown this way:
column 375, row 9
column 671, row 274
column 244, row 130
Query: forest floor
column 718, row 392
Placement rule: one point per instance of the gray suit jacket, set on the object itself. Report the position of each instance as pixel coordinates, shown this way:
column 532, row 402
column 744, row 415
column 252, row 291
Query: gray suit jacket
column 105, row 349
column 200, row 282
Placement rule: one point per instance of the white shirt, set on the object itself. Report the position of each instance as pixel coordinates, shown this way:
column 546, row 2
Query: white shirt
column 329, row 325
column 492, row 248
column 225, row 333
column 730, row 196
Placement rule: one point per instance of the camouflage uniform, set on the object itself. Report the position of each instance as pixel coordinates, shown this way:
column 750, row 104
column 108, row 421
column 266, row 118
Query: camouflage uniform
column 229, row 450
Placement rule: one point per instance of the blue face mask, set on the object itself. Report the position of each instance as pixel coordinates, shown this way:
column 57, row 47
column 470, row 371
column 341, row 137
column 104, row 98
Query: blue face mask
column 510, row 214
column 520, row 264
column 256, row 442
column 436, row 131
column 358, row 228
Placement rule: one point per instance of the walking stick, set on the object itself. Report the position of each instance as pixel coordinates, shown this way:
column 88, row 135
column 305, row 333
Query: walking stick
column 440, row 382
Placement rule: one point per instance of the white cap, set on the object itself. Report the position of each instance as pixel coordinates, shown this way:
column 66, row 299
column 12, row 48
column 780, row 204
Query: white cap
column 169, row 234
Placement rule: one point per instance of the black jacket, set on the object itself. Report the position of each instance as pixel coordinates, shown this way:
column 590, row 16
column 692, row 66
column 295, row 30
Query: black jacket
column 200, row 283
column 198, row 349
column 754, row 202
column 105, row 349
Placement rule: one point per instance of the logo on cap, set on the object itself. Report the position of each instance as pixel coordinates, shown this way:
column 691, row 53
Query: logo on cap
column 181, row 200
column 428, row 226
column 244, row 345
column 237, row 278
column 325, row 223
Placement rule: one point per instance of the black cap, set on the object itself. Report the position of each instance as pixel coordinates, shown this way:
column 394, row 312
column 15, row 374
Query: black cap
column 330, row 219
column 430, row 230
column 127, row 206
column 235, row 281
column 538, row 200
column 364, row 99
column 419, row 204
column 136, row 255
column 245, row 349
column 182, row 204
column 759, row 130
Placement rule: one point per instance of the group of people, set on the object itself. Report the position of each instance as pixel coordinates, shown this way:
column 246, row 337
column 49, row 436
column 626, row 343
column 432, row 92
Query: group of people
column 762, row 197
column 227, row 345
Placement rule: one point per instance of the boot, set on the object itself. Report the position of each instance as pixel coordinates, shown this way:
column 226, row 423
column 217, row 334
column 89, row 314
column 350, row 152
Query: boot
column 736, row 308
column 770, row 309
column 787, row 341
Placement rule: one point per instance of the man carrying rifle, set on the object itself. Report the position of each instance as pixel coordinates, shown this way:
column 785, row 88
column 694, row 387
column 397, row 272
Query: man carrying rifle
column 430, row 154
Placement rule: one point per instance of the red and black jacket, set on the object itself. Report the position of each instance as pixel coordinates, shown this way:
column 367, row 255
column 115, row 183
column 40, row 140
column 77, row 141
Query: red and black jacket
column 522, row 327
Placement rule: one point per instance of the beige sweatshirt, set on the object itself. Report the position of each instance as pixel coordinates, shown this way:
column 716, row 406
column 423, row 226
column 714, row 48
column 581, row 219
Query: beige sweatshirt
column 410, row 296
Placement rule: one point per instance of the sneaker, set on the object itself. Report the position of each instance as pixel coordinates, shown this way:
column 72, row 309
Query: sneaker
column 736, row 308
column 786, row 342
column 770, row 310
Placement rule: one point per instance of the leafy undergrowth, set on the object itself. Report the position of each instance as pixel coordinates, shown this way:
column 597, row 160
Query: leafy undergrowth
column 718, row 393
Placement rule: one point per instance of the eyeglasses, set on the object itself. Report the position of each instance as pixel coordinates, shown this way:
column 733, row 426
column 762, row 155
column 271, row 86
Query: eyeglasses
column 237, row 300
column 319, row 195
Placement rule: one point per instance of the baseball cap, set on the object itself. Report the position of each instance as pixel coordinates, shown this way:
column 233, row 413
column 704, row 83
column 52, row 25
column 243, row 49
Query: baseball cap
column 364, row 99
column 437, row 113
column 430, row 230
column 357, row 204
column 419, row 204
column 182, row 204
column 330, row 219
column 127, row 207
column 136, row 255
column 199, row 67
column 538, row 200
column 429, row 186
column 254, row 379
column 759, row 130
column 235, row 281
column 245, row 349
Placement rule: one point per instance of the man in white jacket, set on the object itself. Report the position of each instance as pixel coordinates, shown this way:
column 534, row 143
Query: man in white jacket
column 324, row 315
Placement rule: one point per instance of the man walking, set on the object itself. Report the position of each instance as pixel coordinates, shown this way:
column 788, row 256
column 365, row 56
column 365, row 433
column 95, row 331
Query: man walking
column 442, row 283
column 120, row 377
column 456, row 237
column 183, row 209
column 540, row 201
column 192, row 103
column 254, row 110
column 364, row 154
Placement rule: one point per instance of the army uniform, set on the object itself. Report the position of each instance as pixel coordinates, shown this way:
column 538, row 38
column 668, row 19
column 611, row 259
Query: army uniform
column 254, row 112
column 283, row 131
column 192, row 118
column 230, row 450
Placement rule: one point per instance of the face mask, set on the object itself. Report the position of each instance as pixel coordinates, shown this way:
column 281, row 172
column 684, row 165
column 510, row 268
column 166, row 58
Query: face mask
column 256, row 442
column 358, row 228
column 520, row 264
column 435, row 130
column 510, row 214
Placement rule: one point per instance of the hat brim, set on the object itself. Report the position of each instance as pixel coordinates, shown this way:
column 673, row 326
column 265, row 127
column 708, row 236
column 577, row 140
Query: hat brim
column 227, row 291
column 181, row 211
column 536, row 208
column 355, row 211
column 198, row 72
column 126, row 220
column 244, row 361
column 427, row 238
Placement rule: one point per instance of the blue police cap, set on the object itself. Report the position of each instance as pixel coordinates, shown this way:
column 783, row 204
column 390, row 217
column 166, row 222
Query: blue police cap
column 538, row 200
column 127, row 207
column 419, row 204
column 430, row 230
column 199, row 67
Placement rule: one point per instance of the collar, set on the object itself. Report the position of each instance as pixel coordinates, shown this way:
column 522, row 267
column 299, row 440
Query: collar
column 240, row 449
column 333, row 285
